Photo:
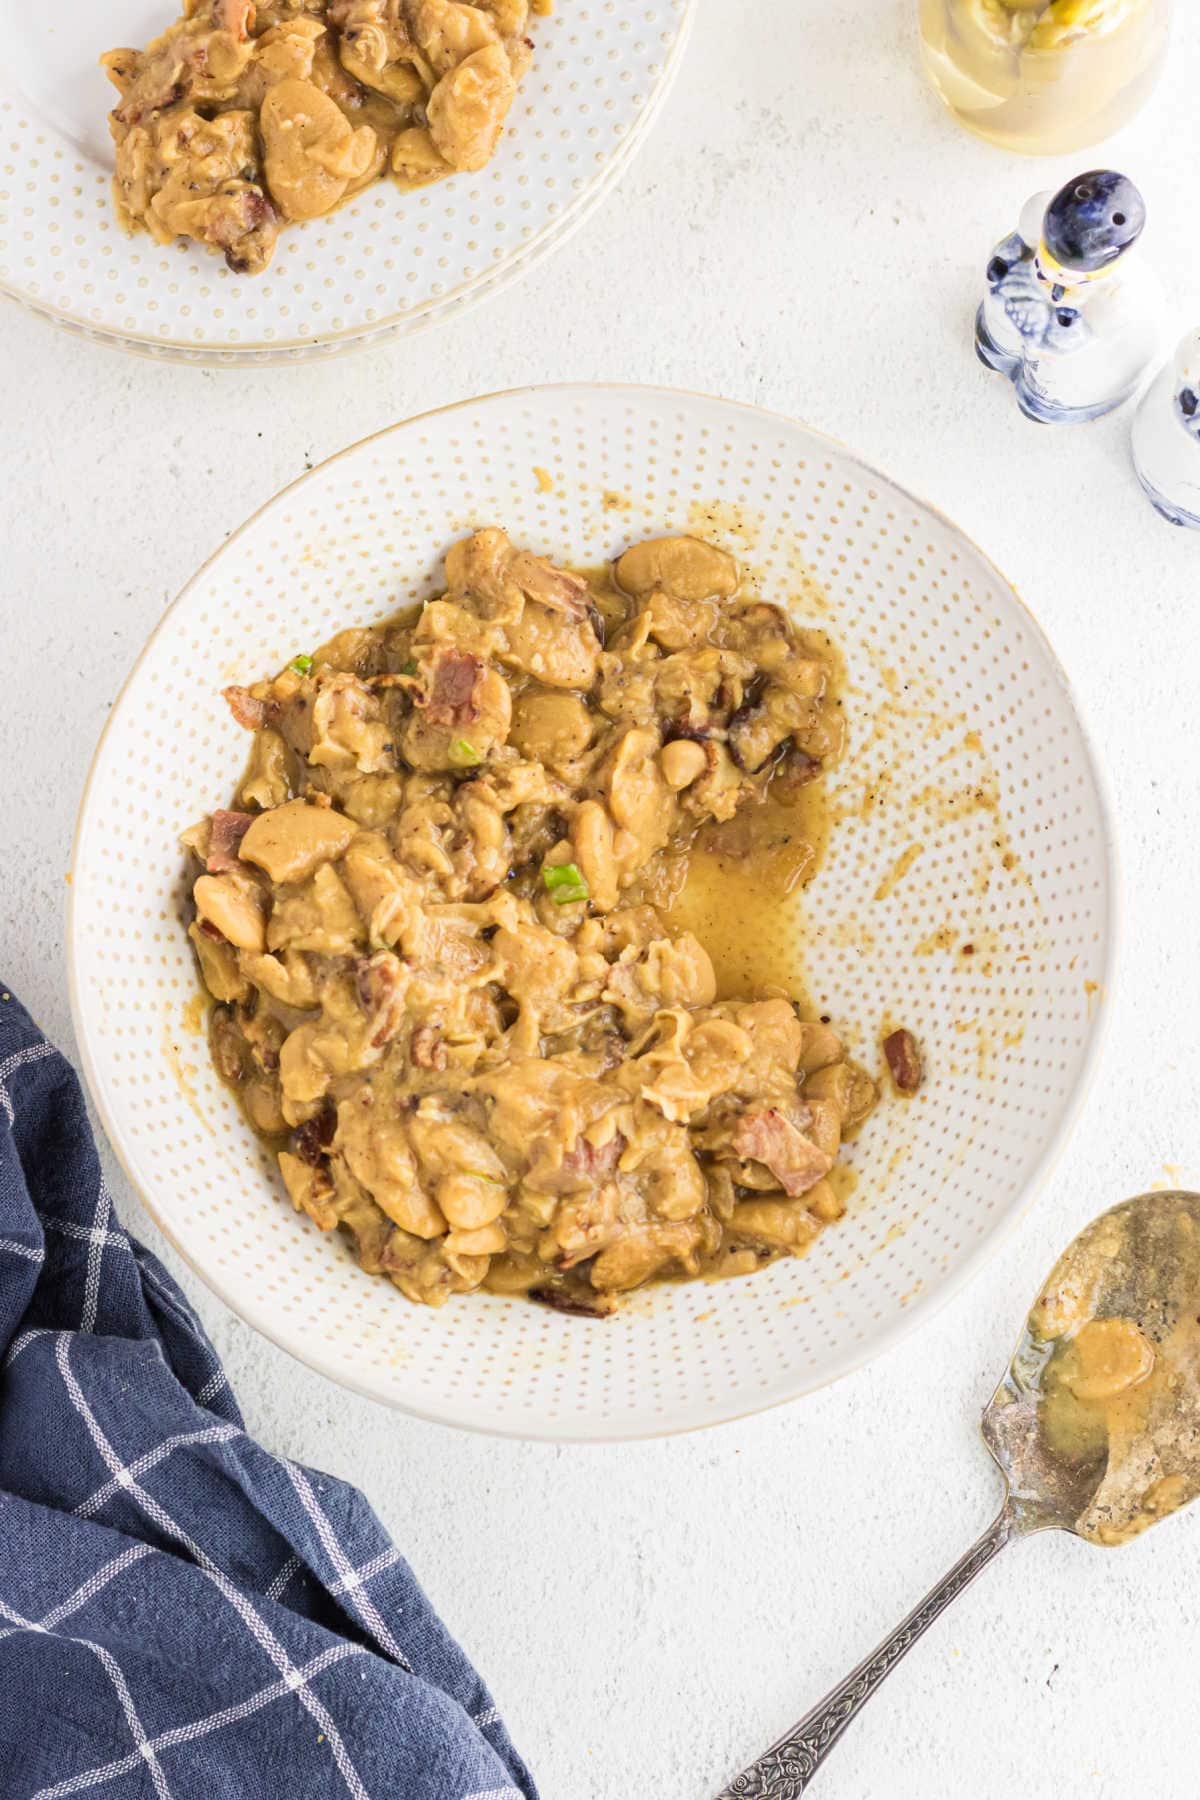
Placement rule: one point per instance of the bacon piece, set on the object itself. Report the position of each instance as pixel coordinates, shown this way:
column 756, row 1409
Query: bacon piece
column 237, row 216
column 228, row 830
column 312, row 1139
column 554, row 588
column 139, row 105
column 796, row 771
column 592, row 1164
column 583, row 1169
column 234, row 16
column 426, row 1049
column 771, row 1139
column 244, row 224
column 247, row 709
column 569, row 1300
column 382, row 981
column 904, row 1061
column 453, row 689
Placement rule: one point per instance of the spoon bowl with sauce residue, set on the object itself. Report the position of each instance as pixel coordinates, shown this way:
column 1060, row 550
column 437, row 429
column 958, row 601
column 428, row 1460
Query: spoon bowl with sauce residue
column 1095, row 1428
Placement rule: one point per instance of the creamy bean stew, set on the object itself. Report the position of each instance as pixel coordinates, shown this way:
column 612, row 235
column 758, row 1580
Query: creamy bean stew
column 437, row 926
column 242, row 118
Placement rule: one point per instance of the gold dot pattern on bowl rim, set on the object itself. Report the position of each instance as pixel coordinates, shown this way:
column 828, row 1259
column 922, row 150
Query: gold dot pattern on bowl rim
column 386, row 262
column 992, row 942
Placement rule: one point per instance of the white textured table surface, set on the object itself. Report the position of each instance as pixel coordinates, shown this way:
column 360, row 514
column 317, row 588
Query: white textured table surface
column 807, row 230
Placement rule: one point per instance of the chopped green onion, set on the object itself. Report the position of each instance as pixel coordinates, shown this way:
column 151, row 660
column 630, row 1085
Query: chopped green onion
column 463, row 754
column 301, row 664
column 564, row 883
column 410, row 667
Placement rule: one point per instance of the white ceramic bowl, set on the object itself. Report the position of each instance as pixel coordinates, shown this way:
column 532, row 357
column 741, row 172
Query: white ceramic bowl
column 963, row 739
column 386, row 263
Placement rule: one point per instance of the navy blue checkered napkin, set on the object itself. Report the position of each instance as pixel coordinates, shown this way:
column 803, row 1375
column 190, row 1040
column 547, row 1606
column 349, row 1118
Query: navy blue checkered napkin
column 181, row 1613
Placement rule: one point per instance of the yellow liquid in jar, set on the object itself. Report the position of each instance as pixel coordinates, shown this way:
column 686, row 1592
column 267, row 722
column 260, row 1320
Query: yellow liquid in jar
column 1048, row 77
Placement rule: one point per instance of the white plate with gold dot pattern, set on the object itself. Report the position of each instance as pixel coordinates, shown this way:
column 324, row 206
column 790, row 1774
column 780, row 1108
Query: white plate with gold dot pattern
column 968, row 892
column 387, row 262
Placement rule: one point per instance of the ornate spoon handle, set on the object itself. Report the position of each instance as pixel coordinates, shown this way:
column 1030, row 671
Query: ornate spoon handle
column 788, row 1766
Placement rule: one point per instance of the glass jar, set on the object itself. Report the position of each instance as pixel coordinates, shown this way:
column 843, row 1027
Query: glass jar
column 1044, row 76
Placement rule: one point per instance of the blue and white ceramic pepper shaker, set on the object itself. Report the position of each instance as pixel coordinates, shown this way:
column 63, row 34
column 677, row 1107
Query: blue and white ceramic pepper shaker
column 1072, row 314
column 1166, row 436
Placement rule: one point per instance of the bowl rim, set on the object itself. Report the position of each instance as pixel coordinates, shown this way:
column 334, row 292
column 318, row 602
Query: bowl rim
column 928, row 1304
column 470, row 292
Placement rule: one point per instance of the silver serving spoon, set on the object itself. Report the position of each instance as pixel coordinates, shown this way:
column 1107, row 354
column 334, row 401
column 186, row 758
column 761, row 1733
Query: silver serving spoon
column 1096, row 1429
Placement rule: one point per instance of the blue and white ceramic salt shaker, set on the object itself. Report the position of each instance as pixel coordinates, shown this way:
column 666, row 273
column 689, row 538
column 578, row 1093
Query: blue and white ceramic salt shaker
column 1166, row 436
column 1072, row 314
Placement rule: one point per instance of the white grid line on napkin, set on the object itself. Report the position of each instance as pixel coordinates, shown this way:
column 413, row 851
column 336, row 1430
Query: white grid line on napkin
column 250, row 1617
